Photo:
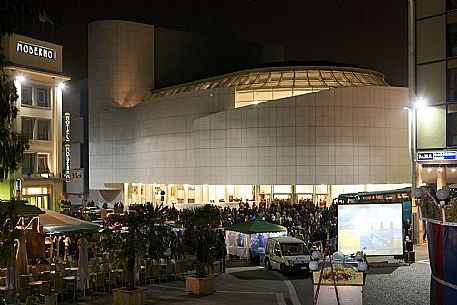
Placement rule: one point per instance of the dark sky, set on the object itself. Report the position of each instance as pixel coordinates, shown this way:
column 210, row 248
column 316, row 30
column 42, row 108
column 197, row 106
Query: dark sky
column 371, row 34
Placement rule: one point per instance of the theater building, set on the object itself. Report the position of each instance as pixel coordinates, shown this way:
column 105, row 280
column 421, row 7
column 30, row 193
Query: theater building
column 298, row 130
column 36, row 67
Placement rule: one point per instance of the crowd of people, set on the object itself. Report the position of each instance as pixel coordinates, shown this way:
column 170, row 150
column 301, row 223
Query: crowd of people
column 304, row 220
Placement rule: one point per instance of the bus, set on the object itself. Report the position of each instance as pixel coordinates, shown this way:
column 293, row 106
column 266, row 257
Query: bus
column 400, row 195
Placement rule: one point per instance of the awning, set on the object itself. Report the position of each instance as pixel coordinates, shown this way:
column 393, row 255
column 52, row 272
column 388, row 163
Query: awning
column 55, row 223
column 256, row 226
column 19, row 208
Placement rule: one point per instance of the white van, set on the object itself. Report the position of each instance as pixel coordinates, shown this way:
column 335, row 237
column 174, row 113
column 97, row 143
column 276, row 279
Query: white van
column 288, row 254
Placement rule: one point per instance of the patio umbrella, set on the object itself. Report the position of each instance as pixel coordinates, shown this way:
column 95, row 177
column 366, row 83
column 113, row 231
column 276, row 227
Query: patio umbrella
column 21, row 255
column 256, row 226
column 19, row 208
column 55, row 223
column 83, row 263
column 12, row 277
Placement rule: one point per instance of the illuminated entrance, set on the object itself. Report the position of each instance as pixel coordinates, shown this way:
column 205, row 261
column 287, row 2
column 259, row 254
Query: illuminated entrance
column 38, row 196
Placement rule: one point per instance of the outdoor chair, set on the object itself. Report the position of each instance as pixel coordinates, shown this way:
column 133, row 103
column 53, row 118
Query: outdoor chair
column 155, row 273
column 50, row 299
column 112, row 281
column 29, row 300
column 124, row 276
column 177, row 269
column 24, row 293
column 145, row 275
column 59, row 287
column 167, row 272
column 99, row 282
column 59, row 267
column 24, row 280
column 45, row 289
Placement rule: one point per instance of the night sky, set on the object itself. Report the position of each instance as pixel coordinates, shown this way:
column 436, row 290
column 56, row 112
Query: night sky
column 370, row 34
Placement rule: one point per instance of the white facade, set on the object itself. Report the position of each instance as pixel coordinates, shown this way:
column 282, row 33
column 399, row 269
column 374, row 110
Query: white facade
column 343, row 136
column 285, row 130
column 36, row 67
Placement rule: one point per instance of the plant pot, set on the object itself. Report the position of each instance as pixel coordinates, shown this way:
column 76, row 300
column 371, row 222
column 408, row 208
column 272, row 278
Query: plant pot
column 200, row 286
column 129, row 297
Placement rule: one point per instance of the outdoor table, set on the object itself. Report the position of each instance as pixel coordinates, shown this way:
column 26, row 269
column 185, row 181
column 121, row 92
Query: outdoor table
column 72, row 270
column 35, row 285
column 5, row 291
column 70, row 279
column 117, row 270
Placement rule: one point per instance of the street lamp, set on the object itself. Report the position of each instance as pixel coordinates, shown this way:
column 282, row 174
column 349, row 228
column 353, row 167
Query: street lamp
column 415, row 104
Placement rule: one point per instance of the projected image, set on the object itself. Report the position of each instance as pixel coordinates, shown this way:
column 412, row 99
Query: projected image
column 375, row 227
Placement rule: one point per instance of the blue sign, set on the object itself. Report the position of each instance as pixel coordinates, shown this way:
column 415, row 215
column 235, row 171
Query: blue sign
column 445, row 155
column 437, row 155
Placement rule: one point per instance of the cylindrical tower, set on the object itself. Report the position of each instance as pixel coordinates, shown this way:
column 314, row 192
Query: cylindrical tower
column 121, row 72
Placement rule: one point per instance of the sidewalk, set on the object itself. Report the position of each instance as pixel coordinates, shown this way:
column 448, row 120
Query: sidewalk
column 229, row 290
column 421, row 252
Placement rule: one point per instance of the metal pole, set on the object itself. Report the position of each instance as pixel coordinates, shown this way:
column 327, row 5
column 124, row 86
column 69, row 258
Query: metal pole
column 412, row 113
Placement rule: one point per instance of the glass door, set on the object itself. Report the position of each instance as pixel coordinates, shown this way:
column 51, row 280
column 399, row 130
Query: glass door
column 41, row 201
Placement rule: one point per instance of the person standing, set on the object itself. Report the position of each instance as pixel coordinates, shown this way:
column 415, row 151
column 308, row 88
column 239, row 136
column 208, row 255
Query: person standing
column 221, row 251
column 407, row 230
column 332, row 234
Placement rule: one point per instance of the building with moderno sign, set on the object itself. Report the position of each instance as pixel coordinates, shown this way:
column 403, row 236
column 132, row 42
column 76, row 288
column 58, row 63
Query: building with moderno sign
column 277, row 131
column 36, row 67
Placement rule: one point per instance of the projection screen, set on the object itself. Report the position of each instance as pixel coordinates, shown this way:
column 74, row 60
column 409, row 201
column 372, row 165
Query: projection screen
column 377, row 227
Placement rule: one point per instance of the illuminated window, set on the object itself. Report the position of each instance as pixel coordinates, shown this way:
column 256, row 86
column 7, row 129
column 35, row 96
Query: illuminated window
column 27, row 127
column 42, row 97
column 451, row 122
column 43, row 130
column 43, row 163
column 26, row 95
column 28, row 165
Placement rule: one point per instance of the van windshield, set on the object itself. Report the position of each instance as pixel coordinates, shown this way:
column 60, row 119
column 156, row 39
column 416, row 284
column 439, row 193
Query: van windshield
column 294, row 249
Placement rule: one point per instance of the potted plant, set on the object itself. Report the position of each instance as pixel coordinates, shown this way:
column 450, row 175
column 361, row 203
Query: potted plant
column 200, row 238
column 158, row 234
column 134, row 244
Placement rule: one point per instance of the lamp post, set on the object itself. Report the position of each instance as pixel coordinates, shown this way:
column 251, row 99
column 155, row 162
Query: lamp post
column 415, row 103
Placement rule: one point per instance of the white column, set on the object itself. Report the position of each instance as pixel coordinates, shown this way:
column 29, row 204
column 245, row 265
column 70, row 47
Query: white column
column 441, row 178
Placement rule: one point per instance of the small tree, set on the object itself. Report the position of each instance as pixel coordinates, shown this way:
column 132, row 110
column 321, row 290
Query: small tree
column 158, row 235
column 12, row 143
column 200, row 237
column 141, row 222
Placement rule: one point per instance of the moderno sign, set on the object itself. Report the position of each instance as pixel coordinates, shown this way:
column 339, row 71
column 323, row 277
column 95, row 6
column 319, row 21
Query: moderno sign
column 35, row 50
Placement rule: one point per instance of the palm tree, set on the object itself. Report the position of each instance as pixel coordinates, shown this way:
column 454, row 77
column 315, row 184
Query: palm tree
column 200, row 238
column 142, row 234
column 158, row 235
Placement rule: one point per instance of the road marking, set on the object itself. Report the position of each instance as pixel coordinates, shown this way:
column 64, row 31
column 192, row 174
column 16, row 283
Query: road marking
column 292, row 292
column 170, row 287
column 291, row 289
column 279, row 296
column 425, row 261
column 280, row 299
